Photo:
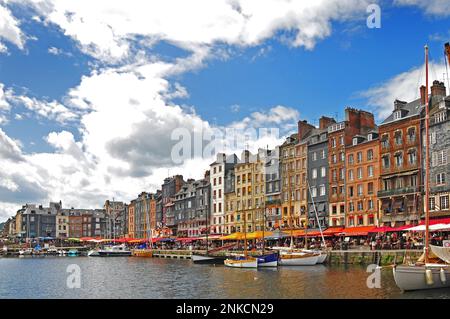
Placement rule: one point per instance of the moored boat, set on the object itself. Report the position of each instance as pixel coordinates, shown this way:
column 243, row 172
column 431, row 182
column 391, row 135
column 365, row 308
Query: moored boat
column 242, row 262
column 427, row 276
column 268, row 260
column 93, row 253
column 208, row 259
column 115, row 251
column 294, row 258
column 142, row 253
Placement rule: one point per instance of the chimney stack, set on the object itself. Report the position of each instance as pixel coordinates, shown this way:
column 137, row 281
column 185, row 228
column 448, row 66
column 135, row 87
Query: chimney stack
column 325, row 121
column 303, row 129
column 438, row 89
column 423, row 95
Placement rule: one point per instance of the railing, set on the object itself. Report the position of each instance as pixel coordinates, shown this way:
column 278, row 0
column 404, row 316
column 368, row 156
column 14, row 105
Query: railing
column 398, row 191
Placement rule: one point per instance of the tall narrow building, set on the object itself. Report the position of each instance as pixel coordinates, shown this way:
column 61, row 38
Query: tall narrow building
column 218, row 170
column 317, row 175
column 273, row 188
column 400, row 164
column 439, row 151
column 341, row 135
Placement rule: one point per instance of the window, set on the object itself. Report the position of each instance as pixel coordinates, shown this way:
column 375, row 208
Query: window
column 440, row 178
column 360, row 173
column 323, row 154
column 350, row 191
column 333, row 142
column 341, row 173
column 432, row 203
column 398, row 137
column 314, row 173
column 360, row 190
column 385, row 161
column 314, row 156
column 440, row 117
column 334, row 175
column 342, row 156
column 350, row 175
column 313, row 191
column 341, row 140
column 370, row 155
column 355, row 141
column 411, row 134
column 323, row 171
column 350, row 159
column 322, row 190
column 370, row 204
column 370, row 188
column 371, row 220
column 398, row 159
column 360, row 205
column 342, row 209
column 385, row 141
column 444, row 202
column 334, row 158
column 351, row 207
column 412, row 157
column 334, row 209
column 439, row 158
column 370, row 171
column 397, row 115
column 359, row 157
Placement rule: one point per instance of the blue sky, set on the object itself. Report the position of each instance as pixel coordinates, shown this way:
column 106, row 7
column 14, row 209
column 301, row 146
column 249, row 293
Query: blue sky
column 52, row 58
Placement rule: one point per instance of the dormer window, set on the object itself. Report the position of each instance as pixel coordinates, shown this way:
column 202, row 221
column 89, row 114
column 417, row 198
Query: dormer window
column 397, row 115
column 355, row 141
column 440, row 117
column 369, row 137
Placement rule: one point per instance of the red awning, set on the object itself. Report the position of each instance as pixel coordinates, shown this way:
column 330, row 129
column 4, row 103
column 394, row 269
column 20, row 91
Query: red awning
column 333, row 231
column 186, row 239
column 436, row 221
column 358, row 231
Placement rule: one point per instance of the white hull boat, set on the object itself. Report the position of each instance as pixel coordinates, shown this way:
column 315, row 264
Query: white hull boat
column 93, row 253
column 242, row 263
column 428, row 276
column 298, row 259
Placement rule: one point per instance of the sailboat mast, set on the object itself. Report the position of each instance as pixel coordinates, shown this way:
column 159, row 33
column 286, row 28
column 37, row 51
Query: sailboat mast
column 245, row 234
column 207, row 226
column 427, row 162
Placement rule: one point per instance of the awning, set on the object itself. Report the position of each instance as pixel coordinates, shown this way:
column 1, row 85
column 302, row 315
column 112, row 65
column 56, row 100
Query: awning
column 234, row 236
column 259, row 234
column 187, row 239
column 332, row 231
column 358, row 231
column 386, row 229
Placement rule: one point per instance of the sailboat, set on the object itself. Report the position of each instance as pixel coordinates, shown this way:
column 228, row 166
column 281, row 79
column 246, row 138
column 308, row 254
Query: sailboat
column 296, row 257
column 270, row 259
column 207, row 258
column 242, row 261
column 323, row 253
column 431, row 270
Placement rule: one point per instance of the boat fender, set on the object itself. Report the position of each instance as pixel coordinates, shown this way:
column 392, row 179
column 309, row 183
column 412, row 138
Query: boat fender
column 442, row 275
column 429, row 277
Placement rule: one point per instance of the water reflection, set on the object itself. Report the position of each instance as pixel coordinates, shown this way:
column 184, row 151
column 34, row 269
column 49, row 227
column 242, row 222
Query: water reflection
column 167, row 278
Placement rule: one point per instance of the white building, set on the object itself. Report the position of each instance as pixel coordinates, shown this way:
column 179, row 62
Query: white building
column 218, row 169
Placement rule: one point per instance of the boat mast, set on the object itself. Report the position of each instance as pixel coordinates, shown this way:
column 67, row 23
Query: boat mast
column 427, row 162
column 207, row 224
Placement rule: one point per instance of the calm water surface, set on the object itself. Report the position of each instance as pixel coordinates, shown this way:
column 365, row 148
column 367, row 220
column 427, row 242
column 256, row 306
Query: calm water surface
column 124, row 277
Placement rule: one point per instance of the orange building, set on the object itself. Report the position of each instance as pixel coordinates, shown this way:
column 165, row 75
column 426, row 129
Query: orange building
column 362, row 180
column 341, row 135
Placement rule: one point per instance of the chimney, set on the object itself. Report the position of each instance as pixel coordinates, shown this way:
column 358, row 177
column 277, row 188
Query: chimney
column 423, row 94
column 399, row 104
column 438, row 89
column 324, row 122
column 303, row 129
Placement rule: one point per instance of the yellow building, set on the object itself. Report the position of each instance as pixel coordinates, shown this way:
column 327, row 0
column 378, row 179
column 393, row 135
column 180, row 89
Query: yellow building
column 250, row 192
column 289, row 218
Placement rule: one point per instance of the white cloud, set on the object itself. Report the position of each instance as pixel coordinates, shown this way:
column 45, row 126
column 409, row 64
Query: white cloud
column 107, row 30
column 432, row 7
column 4, row 105
column 404, row 86
column 9, row 29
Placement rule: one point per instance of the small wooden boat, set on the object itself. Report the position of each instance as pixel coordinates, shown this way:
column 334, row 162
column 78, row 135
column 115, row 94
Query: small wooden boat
column 268, row 260
column 242, row 262
column 294, row 258
column 142, row 253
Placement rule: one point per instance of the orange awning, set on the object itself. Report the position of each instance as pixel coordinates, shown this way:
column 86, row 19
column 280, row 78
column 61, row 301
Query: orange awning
column 333, row 231
column 358, row 231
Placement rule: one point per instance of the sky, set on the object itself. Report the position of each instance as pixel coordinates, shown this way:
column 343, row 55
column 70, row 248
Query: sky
column 94, row 94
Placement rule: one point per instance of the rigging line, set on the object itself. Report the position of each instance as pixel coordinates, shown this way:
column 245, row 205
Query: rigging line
column 431, row 65
column 446, row 69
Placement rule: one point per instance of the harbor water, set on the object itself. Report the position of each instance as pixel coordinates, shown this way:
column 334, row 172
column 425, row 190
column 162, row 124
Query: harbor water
column 128, row 277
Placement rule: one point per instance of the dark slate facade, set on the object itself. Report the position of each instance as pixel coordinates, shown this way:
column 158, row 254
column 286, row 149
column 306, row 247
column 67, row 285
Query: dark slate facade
column 439, row 171
column 318, row 161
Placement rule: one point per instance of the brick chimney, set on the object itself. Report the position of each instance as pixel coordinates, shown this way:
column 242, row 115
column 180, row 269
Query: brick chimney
column 303, row 129
column 324, row 122
column 423, row 94
column 438, row 89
